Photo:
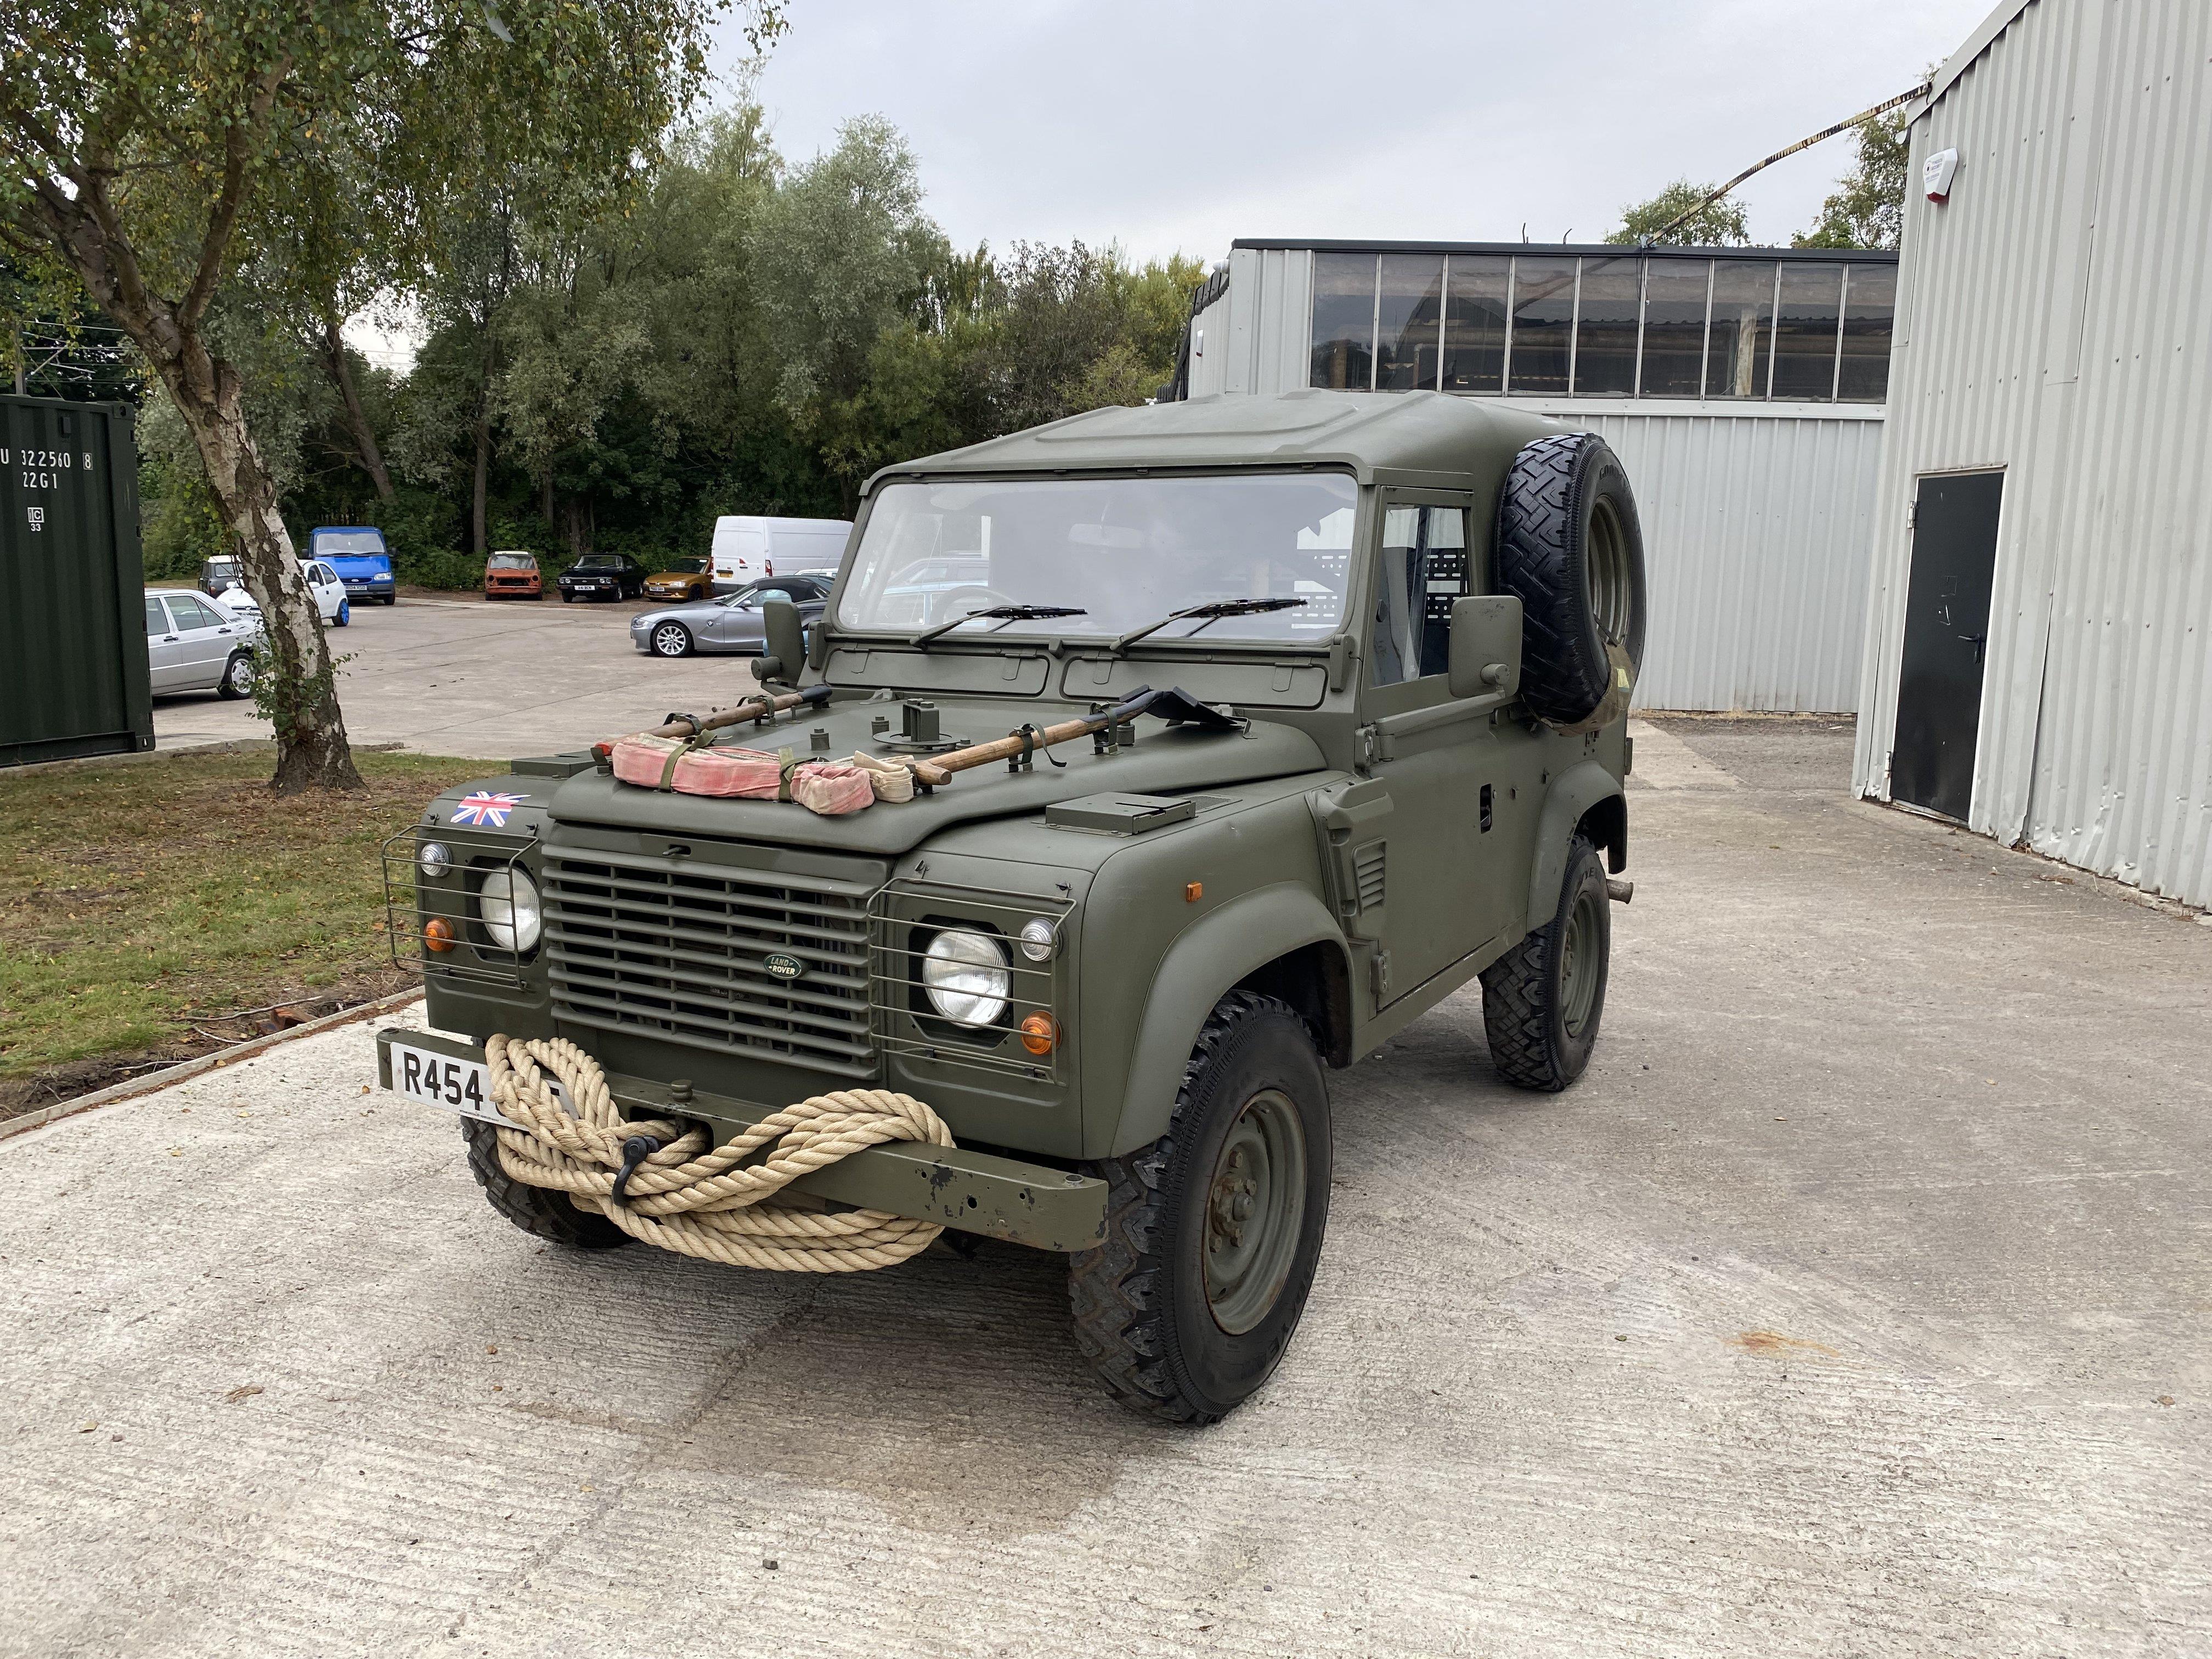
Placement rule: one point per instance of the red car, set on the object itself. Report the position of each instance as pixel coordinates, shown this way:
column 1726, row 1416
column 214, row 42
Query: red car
column 512, row 575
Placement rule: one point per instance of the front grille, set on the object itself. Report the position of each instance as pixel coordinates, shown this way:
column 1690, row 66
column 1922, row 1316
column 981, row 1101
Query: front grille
column 679, row 948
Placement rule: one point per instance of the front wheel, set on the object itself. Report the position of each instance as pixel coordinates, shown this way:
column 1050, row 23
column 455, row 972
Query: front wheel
column 538, row 1210
column 237, row 679
column 391, row 599
column 1542, row 1001
column 1213, row 1231
column 672, row 640
column 346, row 612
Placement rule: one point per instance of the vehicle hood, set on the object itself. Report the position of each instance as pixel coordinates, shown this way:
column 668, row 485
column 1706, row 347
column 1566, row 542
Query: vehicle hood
column 358, row 567
column 1166, row 760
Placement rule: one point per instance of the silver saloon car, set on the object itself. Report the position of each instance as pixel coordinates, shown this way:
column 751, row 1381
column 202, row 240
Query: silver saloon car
column 194, row 643
column 732, row 625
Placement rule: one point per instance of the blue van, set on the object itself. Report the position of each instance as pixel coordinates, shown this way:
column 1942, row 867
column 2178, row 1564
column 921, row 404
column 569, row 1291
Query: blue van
column 358, row 554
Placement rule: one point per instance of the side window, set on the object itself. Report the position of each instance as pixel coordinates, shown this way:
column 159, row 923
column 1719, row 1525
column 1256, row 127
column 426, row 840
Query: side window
column 192, row 613
column 1421, row 569
column 157, row 620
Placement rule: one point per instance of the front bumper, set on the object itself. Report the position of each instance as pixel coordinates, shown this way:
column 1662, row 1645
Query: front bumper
column 1032, row 1204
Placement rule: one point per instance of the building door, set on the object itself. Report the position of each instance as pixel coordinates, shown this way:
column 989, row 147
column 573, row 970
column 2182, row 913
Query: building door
column 1946, row 632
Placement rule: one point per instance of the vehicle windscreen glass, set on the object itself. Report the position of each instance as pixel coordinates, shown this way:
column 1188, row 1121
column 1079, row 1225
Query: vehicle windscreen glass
column 347, row 544
column 599, row 562
column 687, row 567
column 513, row 561
column 1125, row 550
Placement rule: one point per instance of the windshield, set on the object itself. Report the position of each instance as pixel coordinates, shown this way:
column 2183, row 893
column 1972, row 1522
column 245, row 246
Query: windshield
column 343, row 543
column 749, row 598
column 1127, row 550
column 687, row 567
column 599, row 562
column 513, row 561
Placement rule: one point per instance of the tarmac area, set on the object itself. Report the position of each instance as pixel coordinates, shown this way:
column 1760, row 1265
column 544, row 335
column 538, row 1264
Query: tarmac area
column 493, row 678
column 1856, row 1301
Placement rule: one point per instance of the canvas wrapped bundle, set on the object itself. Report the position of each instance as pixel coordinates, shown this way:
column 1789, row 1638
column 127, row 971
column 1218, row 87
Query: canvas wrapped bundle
column 688, row 767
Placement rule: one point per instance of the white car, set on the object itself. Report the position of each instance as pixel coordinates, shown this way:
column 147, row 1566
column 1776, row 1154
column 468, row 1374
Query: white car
column 330, row 601
column 193, row 644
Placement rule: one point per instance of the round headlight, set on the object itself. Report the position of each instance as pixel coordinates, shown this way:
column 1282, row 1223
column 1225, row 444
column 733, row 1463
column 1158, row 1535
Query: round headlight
column 432, row 859
column 965, row 975
column 508, row 905
column 1038, row 938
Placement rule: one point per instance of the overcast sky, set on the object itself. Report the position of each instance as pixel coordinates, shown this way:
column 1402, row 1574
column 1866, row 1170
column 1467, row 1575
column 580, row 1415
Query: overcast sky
column 1181, row 126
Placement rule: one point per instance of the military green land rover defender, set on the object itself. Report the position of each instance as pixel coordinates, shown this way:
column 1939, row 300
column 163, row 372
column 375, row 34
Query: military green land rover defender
column 1118, row 970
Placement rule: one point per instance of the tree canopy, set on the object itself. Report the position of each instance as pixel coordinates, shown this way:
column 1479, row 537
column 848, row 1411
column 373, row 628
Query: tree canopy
column 1717, row 224
column 1868, row 207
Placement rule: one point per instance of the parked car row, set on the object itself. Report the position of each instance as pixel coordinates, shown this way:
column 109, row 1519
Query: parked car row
column 195, row 644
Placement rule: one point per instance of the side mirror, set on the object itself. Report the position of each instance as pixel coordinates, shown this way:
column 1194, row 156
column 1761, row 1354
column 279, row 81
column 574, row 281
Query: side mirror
column 1486, row 647
column 785, row 640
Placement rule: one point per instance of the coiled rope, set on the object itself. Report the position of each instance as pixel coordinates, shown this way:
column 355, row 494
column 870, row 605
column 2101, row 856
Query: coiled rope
column 685, row 1197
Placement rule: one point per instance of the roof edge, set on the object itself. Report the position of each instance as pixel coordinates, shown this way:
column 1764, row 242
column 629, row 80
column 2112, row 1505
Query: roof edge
column 1600, row 250
column 1983, row 37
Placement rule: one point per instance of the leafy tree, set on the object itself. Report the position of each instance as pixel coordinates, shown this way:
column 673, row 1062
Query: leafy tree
column 1717, row 224
column 150, row 148
column 1867, row 207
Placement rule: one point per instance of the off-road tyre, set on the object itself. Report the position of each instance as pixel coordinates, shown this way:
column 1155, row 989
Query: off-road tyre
column 538, row 1210
column 1541, row 1022
column 1142, row 1313
column 1569, row 548
column 237, row 681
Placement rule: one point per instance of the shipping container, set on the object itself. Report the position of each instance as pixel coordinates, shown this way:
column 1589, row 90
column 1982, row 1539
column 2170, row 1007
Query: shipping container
column 73, row 670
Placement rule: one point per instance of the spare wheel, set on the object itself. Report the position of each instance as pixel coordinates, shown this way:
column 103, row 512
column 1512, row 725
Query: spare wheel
column 1569, row 547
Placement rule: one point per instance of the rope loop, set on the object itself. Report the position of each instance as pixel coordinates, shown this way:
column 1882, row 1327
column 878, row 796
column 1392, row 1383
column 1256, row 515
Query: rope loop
column 718, row 1203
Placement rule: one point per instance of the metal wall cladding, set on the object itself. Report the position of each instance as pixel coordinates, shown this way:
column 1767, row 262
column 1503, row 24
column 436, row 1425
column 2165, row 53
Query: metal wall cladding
column 73, row 669
column 1757, row 518
column 2055, row 321
column 1755, row 532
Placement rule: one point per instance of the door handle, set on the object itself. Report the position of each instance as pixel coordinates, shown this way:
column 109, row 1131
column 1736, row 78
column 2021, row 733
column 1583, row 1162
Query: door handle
column 1978, row 641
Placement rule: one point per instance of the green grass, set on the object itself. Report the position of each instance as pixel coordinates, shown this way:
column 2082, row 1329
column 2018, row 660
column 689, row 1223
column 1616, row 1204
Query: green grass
column 140, row 893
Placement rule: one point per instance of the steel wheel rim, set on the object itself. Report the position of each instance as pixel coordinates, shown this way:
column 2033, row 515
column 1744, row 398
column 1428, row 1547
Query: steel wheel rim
column 1608, row 573
column 1254, row 1202
column 668, row 640
column 1578, row 963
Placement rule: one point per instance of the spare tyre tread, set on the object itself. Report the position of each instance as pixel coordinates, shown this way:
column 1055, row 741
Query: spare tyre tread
column 1542, row 512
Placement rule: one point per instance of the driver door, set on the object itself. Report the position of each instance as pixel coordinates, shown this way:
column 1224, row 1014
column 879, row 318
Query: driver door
column 1441, row 866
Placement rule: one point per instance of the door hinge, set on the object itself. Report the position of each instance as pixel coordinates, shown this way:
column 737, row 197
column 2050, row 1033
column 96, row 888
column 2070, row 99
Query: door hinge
column 1376, row 745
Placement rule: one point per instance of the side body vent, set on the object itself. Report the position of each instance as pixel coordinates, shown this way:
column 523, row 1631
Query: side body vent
column 1367, row 874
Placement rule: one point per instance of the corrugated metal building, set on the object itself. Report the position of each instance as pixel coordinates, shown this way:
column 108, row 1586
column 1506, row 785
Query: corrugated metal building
column 2039, row 653
column 1743, row 389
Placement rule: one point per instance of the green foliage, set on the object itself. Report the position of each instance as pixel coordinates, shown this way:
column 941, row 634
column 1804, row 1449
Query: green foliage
column 1717, row 224
column 1867, row 207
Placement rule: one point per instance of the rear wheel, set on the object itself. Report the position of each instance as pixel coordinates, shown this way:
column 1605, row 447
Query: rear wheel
column 1542, row 1001
column 1213, row 1230
column 672, row 640
column 237, row 679
column 538, row 1210
column 346, row 612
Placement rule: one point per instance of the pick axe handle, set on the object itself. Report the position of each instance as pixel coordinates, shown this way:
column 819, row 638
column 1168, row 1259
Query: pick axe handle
column 941, row 770
column 750, row 709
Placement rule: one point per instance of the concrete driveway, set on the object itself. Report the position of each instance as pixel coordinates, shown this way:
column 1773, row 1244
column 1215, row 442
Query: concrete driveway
column 1855, row 1303
column 473, row 676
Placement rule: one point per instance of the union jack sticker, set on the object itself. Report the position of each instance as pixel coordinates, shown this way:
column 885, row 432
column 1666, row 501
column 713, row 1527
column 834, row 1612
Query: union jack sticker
column 481, row 810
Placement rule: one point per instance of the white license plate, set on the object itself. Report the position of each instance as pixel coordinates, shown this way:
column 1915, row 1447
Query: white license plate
column 434, row 1079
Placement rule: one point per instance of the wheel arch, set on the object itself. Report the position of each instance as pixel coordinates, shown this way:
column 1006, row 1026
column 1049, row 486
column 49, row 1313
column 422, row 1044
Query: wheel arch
column 1280, row 940
column 1584, row 798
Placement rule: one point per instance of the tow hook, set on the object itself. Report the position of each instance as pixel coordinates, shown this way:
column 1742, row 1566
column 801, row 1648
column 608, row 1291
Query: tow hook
column 1619, row 889
column 635, row 1151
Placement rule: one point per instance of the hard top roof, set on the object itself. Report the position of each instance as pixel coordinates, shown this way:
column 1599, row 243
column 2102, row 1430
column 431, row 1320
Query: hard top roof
column 1432, row 434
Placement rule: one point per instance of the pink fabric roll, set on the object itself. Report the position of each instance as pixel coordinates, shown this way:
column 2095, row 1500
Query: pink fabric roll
column 749, row 773
column 640, row 758
column 832, row 787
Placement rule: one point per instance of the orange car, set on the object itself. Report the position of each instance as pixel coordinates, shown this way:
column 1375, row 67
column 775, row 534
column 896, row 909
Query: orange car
column 512, row 575
column 684, row 580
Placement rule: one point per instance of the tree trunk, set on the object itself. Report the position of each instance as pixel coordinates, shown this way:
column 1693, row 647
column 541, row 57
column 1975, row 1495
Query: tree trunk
column 479, row 534
column 364, row 436
column 301, row 694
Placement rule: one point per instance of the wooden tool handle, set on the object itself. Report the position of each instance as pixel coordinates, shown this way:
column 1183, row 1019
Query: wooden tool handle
column 941, row 770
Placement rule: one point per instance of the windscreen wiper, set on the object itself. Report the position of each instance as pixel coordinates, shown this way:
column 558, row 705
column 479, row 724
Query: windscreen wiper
column 1212, row 613
column 1006, row 613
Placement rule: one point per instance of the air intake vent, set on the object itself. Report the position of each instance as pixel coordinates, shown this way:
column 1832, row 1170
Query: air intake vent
column 1367, row 874
column 701, row 954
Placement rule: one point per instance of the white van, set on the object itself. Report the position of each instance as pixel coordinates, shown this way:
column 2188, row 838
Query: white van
column 748, row 547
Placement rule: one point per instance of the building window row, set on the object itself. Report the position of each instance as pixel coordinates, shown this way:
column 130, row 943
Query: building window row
column 1591, row 325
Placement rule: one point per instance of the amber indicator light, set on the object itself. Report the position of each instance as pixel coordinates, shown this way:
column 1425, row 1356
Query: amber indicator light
column 1039, row 1034
column 1193, row 891
column 438, row 933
